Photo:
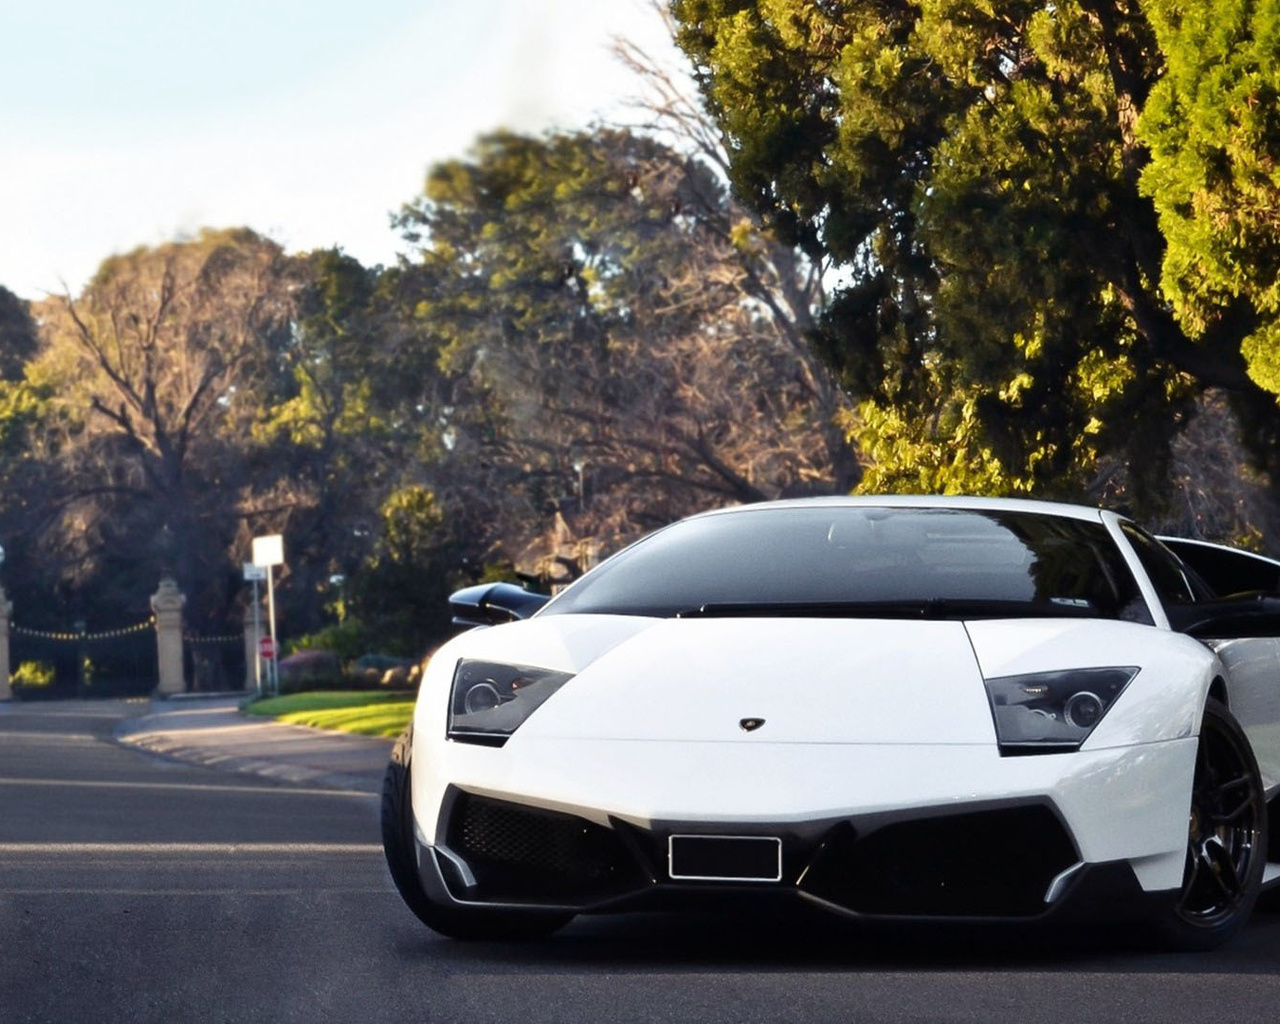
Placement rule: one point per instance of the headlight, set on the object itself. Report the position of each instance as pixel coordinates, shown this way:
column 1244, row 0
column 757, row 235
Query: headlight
column 489, row 701
column 1048, row 712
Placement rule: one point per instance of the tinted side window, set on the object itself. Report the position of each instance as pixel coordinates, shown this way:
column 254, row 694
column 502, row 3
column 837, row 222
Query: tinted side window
column 1226, row 571
column 1161, row 565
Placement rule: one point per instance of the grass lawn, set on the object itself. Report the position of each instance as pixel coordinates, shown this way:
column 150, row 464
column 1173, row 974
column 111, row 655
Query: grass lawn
column 366, row 712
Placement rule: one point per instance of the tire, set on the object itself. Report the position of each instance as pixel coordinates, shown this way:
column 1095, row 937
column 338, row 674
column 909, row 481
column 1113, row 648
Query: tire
column 1226, row 842
column 398, row 846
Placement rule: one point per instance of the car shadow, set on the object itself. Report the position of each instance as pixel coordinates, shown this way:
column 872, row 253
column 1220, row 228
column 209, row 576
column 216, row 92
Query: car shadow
column 811, row 942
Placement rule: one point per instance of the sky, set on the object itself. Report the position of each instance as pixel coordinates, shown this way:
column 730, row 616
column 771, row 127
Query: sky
column 131, row 122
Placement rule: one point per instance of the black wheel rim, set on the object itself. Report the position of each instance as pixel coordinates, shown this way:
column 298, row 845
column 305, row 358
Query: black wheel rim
column 1224, row 832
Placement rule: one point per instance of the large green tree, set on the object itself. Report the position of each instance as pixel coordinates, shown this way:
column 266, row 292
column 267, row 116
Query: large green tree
column 354, row 423
column 623, row 345
column 1054, row 220
column 326, row 427
column 1212, row 123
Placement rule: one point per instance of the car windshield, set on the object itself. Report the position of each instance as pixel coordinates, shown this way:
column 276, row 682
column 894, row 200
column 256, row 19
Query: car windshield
column 832, row 560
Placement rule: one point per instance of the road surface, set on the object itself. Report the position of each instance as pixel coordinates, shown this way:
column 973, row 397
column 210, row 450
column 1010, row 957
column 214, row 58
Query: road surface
column 135, row 888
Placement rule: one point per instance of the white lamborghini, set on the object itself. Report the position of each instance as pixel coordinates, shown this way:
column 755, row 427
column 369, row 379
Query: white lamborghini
column 930, row 708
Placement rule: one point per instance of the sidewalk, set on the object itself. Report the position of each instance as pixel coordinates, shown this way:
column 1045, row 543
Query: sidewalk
column 211, row 731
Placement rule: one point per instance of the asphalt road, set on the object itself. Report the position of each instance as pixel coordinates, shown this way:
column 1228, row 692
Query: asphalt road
column 134, row 888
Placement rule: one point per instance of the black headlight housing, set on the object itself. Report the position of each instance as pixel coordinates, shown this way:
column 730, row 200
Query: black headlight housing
column 1053, row 712
column 490, row 700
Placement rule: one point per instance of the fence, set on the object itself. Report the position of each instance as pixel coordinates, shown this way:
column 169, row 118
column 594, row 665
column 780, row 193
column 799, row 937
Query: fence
column 155, row 655
column 214, row 662
column 118, row 662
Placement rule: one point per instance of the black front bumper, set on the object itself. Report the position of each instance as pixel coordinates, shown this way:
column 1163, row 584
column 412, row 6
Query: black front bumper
column 1012, row 862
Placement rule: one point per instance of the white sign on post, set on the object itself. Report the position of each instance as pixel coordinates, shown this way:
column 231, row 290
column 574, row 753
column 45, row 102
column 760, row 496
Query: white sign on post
column 268, row 550
column 254, row 572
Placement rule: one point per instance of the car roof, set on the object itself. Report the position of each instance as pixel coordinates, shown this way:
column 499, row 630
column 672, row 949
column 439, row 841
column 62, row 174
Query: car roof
column 922, row 501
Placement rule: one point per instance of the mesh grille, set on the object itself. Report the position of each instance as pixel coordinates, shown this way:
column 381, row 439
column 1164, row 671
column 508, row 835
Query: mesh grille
column 509, row 834
column 520, row 851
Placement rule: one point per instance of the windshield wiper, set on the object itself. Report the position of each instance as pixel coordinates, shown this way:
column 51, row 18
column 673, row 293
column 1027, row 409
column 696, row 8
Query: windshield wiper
column 930, row 608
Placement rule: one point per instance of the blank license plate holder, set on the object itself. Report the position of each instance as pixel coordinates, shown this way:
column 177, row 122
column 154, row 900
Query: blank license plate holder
column 703, row 858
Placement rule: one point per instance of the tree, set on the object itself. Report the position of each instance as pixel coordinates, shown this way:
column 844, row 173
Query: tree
column 18, row 338
column 1213, row 127
column 19, row 402
column 401, row 592
column 353, row 422
column 201, row 392
column 981, row 173
column 153, row 374
column 326, row 429
column 612, row 326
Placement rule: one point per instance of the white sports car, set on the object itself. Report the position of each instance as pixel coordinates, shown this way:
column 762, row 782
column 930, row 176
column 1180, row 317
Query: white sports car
column 932, row 708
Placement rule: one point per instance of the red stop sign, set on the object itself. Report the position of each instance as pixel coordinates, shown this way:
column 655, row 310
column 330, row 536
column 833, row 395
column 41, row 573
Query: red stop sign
column 266, row 647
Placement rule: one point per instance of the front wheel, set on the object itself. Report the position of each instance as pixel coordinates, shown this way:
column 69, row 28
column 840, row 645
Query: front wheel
column 398, row 846
column 1226, row 838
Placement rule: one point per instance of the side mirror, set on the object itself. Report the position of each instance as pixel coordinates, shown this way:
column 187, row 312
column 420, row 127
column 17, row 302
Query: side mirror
column 489, row 604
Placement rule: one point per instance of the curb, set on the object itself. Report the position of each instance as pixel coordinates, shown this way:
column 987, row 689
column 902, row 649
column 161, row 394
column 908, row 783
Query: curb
column 202, row 695
column 156, row 706
column 141, row 733
column 162, row 745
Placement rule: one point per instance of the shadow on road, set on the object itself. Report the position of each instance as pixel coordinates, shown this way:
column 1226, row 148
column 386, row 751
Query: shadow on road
column 677, row 943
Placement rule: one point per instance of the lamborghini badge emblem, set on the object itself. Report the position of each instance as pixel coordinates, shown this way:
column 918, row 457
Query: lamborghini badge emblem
column 750, row 724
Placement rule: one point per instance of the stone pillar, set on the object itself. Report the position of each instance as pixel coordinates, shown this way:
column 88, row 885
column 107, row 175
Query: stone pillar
column 167, row 604
column 252, row 633
column 6, row 609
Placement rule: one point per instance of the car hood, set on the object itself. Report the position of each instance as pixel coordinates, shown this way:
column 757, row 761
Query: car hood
column 807, row 680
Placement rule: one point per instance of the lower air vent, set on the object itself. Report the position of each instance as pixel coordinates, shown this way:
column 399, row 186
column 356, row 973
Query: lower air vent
column 982, row 864
column 517, row 852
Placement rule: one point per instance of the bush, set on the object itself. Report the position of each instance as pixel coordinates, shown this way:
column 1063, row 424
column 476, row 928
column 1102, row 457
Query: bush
column 32, row 678
column 346, row 639
column 383, row 670
column 310, row 670
column 321, row 669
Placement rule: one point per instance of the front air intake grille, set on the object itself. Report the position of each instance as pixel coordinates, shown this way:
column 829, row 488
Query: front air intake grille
column 985, row 864
column 518, row 852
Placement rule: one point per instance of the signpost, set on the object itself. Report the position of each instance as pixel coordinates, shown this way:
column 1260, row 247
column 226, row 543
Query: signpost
column 255, row 574
column 268, row 551
column 267, row 648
